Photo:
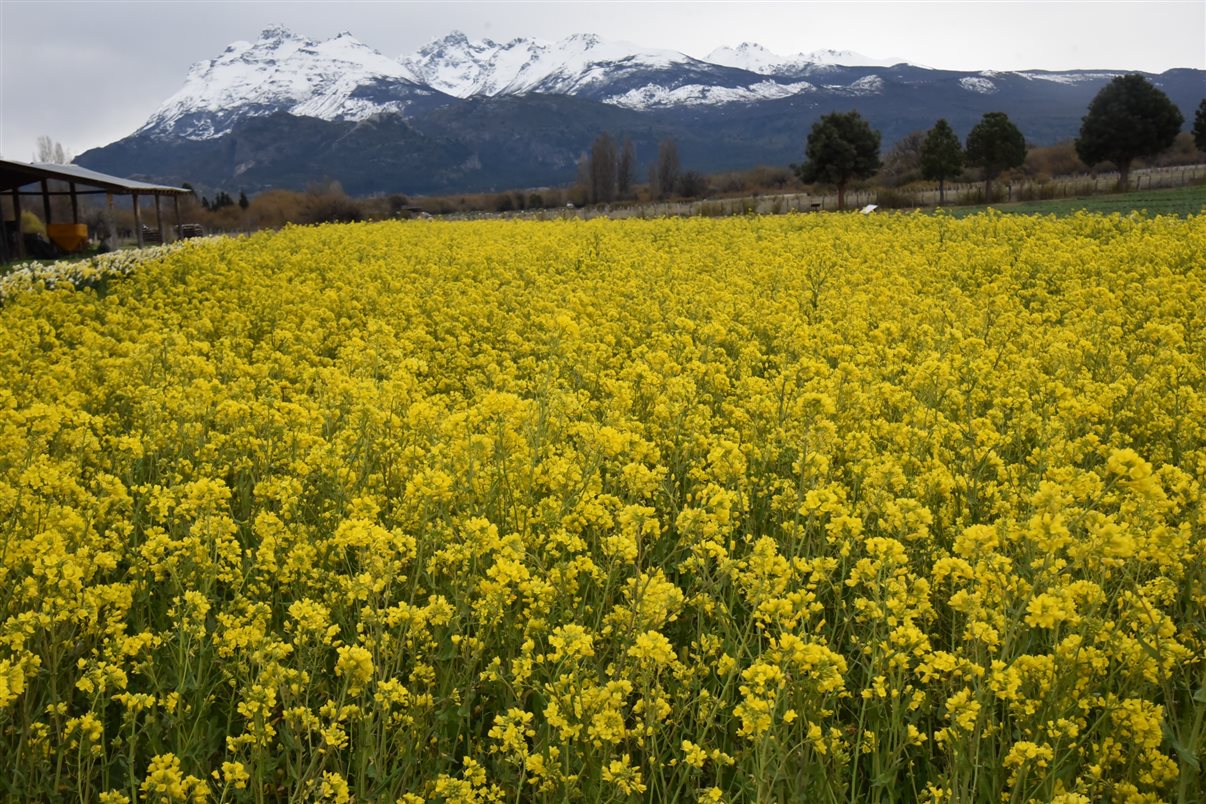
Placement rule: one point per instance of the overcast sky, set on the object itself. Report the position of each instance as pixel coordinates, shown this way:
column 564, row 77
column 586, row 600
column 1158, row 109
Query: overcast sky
column 89, row 73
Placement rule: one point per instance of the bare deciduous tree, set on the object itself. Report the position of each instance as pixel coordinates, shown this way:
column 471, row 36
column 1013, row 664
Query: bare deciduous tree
column 603, row 169
column 626, row 170
column 52, row 152
column 902, row 164
column 668, row 168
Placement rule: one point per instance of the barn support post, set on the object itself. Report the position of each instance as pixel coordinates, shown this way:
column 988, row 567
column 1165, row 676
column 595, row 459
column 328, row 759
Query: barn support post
column 112, row 221
column 46, row 201
column 17, row 223
column 176, row 205
column 75, row 204
column 163, row 238
column 138, row 219
column 5, row 251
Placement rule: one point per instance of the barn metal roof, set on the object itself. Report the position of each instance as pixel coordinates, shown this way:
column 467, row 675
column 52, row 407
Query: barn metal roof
column 18, row 174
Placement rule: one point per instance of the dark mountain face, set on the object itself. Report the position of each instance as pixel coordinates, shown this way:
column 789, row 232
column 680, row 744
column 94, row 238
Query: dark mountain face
column 393, row 133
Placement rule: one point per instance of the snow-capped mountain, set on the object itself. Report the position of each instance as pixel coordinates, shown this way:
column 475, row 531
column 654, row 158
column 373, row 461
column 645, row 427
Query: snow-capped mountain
column 584, row 65
column 464, row 67
column 463, row 115
column 747, row 56
column 339, row 78
column 655, row 96
column 344, row 79
column 757, row 59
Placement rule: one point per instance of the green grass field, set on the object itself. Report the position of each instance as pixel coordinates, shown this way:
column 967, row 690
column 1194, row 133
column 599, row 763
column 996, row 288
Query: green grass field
column 1180, row 201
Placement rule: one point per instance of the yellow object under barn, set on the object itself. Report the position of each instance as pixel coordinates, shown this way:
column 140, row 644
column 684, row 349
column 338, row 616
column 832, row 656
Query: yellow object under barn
column 70, row 237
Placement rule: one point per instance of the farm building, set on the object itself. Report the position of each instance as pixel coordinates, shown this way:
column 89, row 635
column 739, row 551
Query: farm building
column 16, row 179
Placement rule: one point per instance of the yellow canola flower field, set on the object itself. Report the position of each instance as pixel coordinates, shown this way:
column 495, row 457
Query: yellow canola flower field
column 804, row 508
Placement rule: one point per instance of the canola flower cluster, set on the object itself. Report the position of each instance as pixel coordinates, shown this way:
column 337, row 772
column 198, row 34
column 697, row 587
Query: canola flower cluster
column 93, row 272
column 825, row 508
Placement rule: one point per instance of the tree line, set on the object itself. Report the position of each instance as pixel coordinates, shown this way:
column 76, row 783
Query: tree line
column 221, row 200
column 1128, row 119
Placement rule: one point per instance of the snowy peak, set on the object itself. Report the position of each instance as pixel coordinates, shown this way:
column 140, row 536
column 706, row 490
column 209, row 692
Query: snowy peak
column 747, row 56
column 276, row 43
column 276, row 32
column 584, row 62
column 464, row 67
column 845, row 58
column 281, row 70
column 757, row 59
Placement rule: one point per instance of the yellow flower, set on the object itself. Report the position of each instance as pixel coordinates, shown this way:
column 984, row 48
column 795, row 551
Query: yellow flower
column 694, row 755
column 571, row 642
column 627, row 779
column 234, row 773
column 1048, row 610
column 334, row 788
column 164, row 781
column 652, row 647
column 511, row 732
column 355, row 664
column 962, row 711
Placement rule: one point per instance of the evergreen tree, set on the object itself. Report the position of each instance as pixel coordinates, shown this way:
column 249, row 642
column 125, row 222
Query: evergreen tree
column 243, row 202
column 841, row 146
column 941, row 156
column 1128, row 119
column 994, row 145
